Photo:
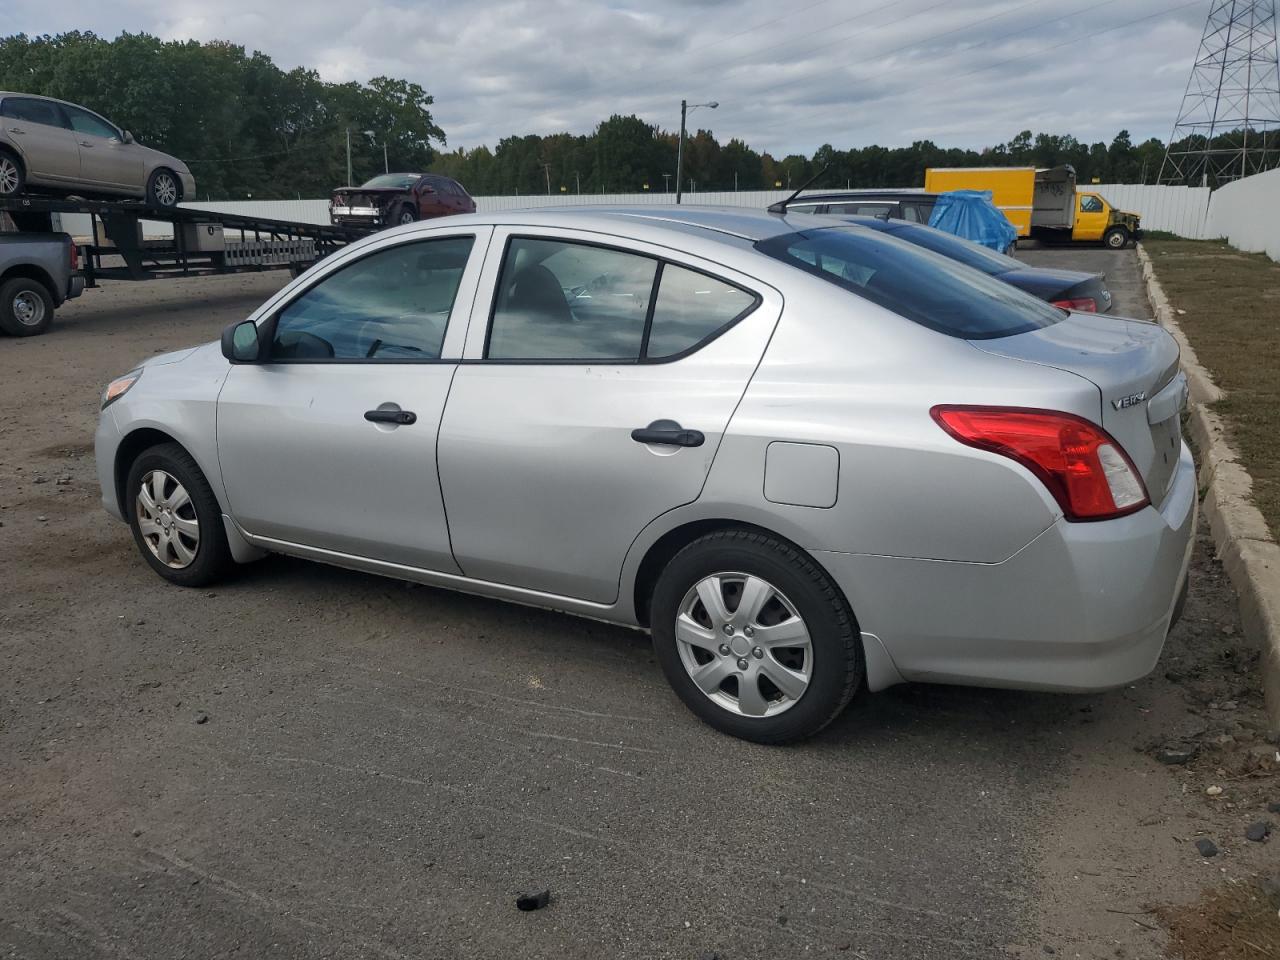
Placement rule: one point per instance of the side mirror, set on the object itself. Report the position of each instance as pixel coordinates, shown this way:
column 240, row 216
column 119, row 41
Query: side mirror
column 128, row 137
column 240, row 342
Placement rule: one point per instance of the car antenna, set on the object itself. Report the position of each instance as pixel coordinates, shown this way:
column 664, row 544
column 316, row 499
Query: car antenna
column 781, row 205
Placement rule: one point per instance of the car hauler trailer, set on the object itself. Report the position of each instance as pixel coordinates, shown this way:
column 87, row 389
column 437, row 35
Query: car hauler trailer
column 203, row 242
column 1045, row 204
column 200, row 244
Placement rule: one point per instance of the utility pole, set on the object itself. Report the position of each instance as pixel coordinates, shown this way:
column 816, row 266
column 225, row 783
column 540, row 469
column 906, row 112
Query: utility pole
column 577, row 182
column 546, row 168
column 684, row 110
column 348, row 156
column 386, row 167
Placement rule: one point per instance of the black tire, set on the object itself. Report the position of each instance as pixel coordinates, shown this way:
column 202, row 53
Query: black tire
column 164, row 189
column 212, row 559
column 26, row 307
column 837, row 667
column 13, row 175
column 1116, row 238
column 406, row 215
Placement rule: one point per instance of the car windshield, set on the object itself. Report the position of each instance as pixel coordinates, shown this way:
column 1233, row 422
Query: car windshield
column 914, row 283
column 956, row 248
column 392, row 181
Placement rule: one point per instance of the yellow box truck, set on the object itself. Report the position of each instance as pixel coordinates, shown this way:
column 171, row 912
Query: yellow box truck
column 1045, row 203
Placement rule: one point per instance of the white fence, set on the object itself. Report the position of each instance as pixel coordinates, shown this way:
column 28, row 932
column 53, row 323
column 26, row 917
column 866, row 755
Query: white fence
column 1247, row 213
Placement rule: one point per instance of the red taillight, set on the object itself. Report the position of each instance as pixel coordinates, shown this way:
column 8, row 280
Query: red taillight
column 1085, row 469
column 1084, row 304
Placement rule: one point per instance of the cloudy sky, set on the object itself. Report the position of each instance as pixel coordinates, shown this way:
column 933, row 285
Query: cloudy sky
column 789, row 76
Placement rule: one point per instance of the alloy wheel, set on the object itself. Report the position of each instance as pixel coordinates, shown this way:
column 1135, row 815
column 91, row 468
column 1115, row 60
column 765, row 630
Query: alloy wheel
column 744, row 644
column 8, row 176
column 28, row 309
column 406, row 216
column 167, row 519
column 166, row 190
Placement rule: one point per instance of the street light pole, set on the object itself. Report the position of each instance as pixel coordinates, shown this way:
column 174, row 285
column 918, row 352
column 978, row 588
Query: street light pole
column 684, row 109
column 679, row 151
column 386, row 166
column 348, row 156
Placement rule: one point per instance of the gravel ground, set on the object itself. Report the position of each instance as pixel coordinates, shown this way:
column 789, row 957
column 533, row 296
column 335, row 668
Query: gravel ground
column 311, row 762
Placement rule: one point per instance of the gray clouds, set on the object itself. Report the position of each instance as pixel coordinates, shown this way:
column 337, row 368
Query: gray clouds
column 846, row 72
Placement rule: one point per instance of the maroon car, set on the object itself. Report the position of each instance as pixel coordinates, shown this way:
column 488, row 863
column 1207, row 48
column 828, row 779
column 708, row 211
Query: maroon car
column 394, row 198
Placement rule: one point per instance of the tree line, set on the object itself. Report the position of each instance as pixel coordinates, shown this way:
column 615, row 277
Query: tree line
column 247, row 128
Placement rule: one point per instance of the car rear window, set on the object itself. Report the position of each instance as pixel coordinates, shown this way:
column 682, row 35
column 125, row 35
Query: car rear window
column 956, row 248
column 914, row 283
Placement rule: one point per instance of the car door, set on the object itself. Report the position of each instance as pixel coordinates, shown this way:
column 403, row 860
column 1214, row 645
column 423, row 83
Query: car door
column 41, row 131
column 1091, row 217
column 599, row 377
column 105, row 159
column 330, row 442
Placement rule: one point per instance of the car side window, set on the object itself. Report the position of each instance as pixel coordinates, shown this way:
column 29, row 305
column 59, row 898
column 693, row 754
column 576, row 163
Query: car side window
column 391, row 305
column 560, row 300
column 34, row 111
column 1090, row 204
column 692, row 307
column 82, row 121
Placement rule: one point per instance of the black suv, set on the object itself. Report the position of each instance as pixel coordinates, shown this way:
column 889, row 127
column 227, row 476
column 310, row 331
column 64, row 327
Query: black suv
column 906, row 204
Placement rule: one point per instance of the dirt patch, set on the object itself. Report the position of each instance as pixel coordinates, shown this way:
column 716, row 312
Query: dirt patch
column 1235, row 922
column 1223, row 298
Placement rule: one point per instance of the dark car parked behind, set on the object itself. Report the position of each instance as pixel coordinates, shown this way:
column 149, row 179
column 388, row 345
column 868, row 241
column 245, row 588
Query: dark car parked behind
column 1069, row 289
column 390, row 199
column 908, row 204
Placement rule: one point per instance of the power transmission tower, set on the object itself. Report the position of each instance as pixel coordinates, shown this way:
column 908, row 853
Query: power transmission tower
column 1229, row 124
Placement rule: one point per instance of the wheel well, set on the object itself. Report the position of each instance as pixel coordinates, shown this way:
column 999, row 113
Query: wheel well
column 9, row 151
column 131, row 447
column 31, row 272
column 671, row 543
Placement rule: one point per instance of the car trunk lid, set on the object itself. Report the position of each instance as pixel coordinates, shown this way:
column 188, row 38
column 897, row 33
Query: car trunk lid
column 1134, row 365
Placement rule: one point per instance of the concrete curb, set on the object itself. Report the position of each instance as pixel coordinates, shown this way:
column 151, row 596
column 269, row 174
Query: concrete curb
column 1245, row 545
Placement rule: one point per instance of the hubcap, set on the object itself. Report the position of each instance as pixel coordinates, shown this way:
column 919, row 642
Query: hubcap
column 28, row 309
column 8, row 176
column 167, row 519
column 166, row 190
column 406, row 217
column 744, row 644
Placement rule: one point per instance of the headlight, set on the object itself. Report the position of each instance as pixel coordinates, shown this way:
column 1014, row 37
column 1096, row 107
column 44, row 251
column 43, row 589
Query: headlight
column 118, row 387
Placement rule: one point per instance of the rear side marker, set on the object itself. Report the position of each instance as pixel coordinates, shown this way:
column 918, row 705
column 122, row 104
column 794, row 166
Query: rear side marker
column 1082, row 465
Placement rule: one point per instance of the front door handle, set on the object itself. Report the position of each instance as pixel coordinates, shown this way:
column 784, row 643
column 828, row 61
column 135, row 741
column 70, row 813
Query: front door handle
column 668, row 432
column 402, row 417
column 85, row 143
column 16, row 130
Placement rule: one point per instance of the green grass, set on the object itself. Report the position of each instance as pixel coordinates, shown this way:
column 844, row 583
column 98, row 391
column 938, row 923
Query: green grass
column 1232, row 318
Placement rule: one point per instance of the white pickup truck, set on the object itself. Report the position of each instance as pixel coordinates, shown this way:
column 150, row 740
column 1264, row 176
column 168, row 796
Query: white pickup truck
column 38, row 273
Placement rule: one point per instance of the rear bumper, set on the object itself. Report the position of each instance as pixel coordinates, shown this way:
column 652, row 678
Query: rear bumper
column 1084, row 606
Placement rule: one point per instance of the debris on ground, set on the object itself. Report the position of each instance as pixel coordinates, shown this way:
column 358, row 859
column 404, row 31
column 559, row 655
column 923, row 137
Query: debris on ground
column 1179, row 751
column 1207, row 847
column 533, row 901
column 1258, row 832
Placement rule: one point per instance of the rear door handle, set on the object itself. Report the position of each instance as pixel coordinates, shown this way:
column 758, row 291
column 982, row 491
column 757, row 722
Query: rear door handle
column 668, row 432
column 402, row 417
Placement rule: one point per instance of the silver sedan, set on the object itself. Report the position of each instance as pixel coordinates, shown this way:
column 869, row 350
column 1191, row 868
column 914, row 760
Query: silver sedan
column 51, row 144
column 808, row 457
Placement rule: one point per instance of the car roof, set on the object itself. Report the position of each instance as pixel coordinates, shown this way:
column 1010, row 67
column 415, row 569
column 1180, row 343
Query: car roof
column 743, row 223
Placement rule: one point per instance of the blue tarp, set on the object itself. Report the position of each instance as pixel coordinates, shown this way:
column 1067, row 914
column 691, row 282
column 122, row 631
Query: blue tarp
column 972, row 215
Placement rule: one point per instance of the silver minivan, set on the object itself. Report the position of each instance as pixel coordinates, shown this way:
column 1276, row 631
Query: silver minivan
column 51, row 144
column 808, row 457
